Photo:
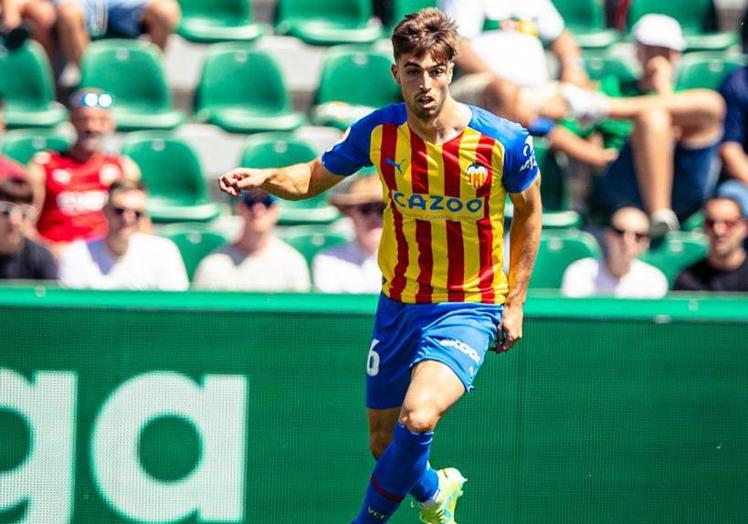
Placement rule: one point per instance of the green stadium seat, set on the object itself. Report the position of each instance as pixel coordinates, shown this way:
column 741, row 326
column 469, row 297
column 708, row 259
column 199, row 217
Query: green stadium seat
column 557, row 212
column 172, row 172
column 328, row 22
column 279, row 150
column 22, row 144
column 400, row 8
column 676, row 251
column 706, row 70
column 586, row 21
column 195, row 242
column 132, row 71
column 698, row 19
column 309, row 240
column 601, row 66
column 209, row 21
column 27, row 88
column 557, row 250
column 242, row 90
column 340, row 102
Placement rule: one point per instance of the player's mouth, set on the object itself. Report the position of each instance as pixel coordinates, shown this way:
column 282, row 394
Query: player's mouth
column 426, row 102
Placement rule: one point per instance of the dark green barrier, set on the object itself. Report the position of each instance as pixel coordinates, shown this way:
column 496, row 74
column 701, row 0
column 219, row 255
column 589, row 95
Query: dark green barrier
column 610, row 411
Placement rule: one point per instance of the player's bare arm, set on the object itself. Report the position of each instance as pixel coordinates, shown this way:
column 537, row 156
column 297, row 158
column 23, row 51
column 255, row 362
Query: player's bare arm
column 524, row 238
column 295, row 182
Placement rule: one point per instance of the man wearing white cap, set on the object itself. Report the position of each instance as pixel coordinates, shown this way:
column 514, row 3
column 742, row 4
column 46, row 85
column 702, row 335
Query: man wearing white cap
column 668, row 165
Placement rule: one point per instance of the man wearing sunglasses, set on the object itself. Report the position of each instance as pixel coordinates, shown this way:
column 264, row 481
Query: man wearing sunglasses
column 70, row 188
column 352, row 267
column 620, row 274
column 20, row 257
column 125, row 258
column 725, row 268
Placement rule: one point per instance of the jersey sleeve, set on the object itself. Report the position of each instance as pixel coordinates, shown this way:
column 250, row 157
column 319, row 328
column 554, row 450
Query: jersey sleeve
column 520, row 165
column 550, row 22
column 351, row 152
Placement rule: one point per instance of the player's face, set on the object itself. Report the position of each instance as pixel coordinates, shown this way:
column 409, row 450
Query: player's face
column 91, row 124
column 424, row 84
column 724, row 226
column 124, row 212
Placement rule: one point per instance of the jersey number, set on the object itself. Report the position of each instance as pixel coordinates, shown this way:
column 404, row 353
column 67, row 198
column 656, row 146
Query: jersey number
column 372, row 361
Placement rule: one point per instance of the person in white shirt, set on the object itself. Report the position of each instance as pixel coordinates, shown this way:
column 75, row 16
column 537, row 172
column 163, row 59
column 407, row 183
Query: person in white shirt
column 258, row 260
column 125, row 258
column 620, row 274
column 352, row 267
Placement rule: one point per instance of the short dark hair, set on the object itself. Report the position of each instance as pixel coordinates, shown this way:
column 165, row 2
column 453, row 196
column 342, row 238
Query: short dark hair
column 427, row 31
column 16, row 190
column 126, row 184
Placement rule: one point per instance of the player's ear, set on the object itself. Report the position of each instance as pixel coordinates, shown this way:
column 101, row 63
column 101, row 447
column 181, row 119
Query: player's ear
column 450, row 72
column 395, row 73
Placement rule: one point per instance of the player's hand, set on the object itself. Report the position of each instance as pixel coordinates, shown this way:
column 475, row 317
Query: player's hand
column 234, row 181
column 510, row 328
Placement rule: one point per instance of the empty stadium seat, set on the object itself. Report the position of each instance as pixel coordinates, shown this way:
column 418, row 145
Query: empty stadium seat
column 22, row 144
column 327, row 22
column 242, row 90
column 676, row 251
column 27, row 88
column 601, row 66
column 339, row 101
column 171, row 170
column 558, row 249
column 400, row 8
column 279, row 150
column 698, row 19
column 309, row 240
column 586, row 21
column 132, row 71
column 557, row 212
column 195, row 242
column 208, row 21
column 706, row 70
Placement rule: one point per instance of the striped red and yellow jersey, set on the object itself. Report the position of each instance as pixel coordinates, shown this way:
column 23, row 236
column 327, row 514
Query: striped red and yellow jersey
column 444, row 221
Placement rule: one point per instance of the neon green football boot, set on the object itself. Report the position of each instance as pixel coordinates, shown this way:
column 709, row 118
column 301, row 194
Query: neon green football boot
column 450, row 489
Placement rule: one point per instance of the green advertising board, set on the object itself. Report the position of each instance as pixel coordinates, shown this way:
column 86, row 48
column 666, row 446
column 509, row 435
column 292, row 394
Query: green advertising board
column 204, row 407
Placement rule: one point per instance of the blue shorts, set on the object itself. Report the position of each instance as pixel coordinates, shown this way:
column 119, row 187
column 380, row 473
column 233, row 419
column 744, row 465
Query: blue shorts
column 694, row 176
column 105, row 16
column 457, row 334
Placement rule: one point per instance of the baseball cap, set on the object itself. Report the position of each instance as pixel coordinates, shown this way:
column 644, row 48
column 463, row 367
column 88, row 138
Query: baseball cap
column 659, row 30
column 362, row 189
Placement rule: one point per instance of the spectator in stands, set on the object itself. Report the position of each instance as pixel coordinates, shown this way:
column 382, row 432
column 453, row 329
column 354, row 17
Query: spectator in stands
column 352, row 267
column 258, row 260
column 668, row 165
column 20, row 257
column 70, row 188
column 8, row 167
column 620, row 274
column 734, row 147
column 725, row 267
column 81, row 20
column 34, row 17
column 125, row 258
column 502, row 60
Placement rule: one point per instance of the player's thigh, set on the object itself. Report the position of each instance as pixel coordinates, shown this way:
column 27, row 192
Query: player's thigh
column 381, row 424
column 434, row 388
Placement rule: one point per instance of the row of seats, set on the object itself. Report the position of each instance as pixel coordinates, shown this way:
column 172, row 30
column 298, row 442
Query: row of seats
column 331, row 22
column 558, row 248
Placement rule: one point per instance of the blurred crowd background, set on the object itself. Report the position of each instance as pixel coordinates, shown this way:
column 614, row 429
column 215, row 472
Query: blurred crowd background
column 118, row 115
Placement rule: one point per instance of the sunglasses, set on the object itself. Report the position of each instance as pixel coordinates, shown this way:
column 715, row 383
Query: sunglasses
column 90, row 99
column 709, row 223
column 621, row 232
column 372, row 208
column 267, row 200
column 26, row 211
column 120, row 211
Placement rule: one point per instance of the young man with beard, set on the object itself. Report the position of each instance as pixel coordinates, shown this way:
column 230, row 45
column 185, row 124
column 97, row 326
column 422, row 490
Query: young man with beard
column 446, row 169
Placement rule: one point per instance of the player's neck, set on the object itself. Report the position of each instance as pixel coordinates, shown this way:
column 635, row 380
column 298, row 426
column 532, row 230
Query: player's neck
column 450, row 122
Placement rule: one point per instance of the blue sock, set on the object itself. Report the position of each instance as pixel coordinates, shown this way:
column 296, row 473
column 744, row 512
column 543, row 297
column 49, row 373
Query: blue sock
column 426, row 486
column 397, row 471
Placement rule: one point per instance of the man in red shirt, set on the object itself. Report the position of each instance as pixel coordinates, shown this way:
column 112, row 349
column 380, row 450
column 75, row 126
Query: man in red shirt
column 70, row 188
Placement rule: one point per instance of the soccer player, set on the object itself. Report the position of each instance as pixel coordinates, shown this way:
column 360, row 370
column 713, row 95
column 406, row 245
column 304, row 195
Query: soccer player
column 446, row 169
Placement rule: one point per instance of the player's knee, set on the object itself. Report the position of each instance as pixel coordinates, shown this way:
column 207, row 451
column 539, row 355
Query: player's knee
column 420, row 420
column 378, row 442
